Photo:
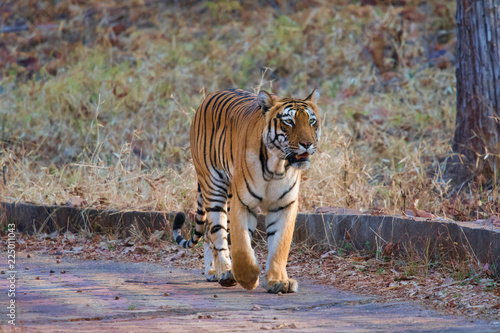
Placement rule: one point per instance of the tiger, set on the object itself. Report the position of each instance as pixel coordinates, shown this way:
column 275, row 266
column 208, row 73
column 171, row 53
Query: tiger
column 249, row 151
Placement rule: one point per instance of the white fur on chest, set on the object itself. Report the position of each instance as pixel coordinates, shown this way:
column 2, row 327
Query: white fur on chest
column 280, row 190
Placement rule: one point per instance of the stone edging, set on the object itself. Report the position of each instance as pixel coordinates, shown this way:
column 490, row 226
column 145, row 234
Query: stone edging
column 373, row 233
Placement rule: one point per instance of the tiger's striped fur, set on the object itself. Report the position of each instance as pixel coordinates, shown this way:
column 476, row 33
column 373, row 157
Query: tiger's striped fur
column 252, row 147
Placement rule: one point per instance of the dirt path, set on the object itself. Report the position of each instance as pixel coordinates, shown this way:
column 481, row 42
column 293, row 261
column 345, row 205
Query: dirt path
column 92, row 296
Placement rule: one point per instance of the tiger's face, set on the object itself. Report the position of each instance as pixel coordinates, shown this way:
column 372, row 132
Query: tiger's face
column 293, row 127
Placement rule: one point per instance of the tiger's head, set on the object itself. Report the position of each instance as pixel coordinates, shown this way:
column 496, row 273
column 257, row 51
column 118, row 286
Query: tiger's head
column 293, row 127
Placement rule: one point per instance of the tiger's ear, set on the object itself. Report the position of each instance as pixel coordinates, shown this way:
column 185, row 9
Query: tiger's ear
column 265, row 100
column 313, row 97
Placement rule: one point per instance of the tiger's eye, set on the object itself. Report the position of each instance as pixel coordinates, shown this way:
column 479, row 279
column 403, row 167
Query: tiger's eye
column 312, row 121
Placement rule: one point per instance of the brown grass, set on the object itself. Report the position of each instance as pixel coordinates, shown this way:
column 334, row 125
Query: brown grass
column 108, row 121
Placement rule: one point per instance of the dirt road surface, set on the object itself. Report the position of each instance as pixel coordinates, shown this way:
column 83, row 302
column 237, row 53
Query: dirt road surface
column 104, row 296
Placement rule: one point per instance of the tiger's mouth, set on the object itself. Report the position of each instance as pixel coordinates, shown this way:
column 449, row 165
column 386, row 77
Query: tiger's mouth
column 303, row 156
column 298, row 159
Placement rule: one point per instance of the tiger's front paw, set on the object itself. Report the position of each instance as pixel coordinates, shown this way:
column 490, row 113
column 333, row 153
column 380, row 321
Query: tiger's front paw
column 247, row 275
column 227, row 279
column 284, row 286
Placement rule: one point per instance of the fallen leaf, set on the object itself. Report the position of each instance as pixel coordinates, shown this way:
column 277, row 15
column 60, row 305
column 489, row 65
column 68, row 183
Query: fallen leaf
column 128, row 249
column 421, row 213
column 178, row 255
column 377, row 47
column 328, row 254
column 119, row 28
column 204, row 316
column 390, row 288
column 411, row 14
column 418, row 212
column 390, row 248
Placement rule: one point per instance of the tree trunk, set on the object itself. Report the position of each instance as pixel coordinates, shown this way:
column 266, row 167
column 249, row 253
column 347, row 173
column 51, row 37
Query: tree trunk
column 477, row 129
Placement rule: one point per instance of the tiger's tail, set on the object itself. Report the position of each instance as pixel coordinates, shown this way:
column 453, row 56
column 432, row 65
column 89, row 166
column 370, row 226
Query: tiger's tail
column 179, row 220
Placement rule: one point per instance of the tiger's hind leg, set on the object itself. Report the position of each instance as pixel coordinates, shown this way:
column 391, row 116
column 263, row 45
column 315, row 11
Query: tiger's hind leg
column 208, row 256
column 210, row 271
column 220, row 247
column 215, row 203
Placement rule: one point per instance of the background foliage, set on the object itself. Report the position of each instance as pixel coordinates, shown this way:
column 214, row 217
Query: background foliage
column 96, row 97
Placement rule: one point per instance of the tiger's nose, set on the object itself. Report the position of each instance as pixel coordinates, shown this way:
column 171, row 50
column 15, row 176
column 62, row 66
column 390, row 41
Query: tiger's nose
column 306, row 145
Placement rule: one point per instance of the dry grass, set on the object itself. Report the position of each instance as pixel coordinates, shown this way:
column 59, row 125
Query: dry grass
column 108, row 121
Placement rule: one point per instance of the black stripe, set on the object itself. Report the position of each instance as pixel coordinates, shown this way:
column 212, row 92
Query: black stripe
column 269, row 234
column 202, row 134
column 216, row 209
column 248, row 208
column 200, row 212
column 200, row 222
column 270, row 224
column 214, row 190
column 216, row 228
column 221, row 179
column 263, row 161
column 179, row 239
column 215, row 127
column 281, row 208
column 223, row 108
column 197, row 233
column 219, row 111
column 222, row 147
column 250, row 231
column 280, row 175
column 223, row 249
column 215, row 200
column 250, row 190
column 287, row 191
column 217, row 188
column 179, row 220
